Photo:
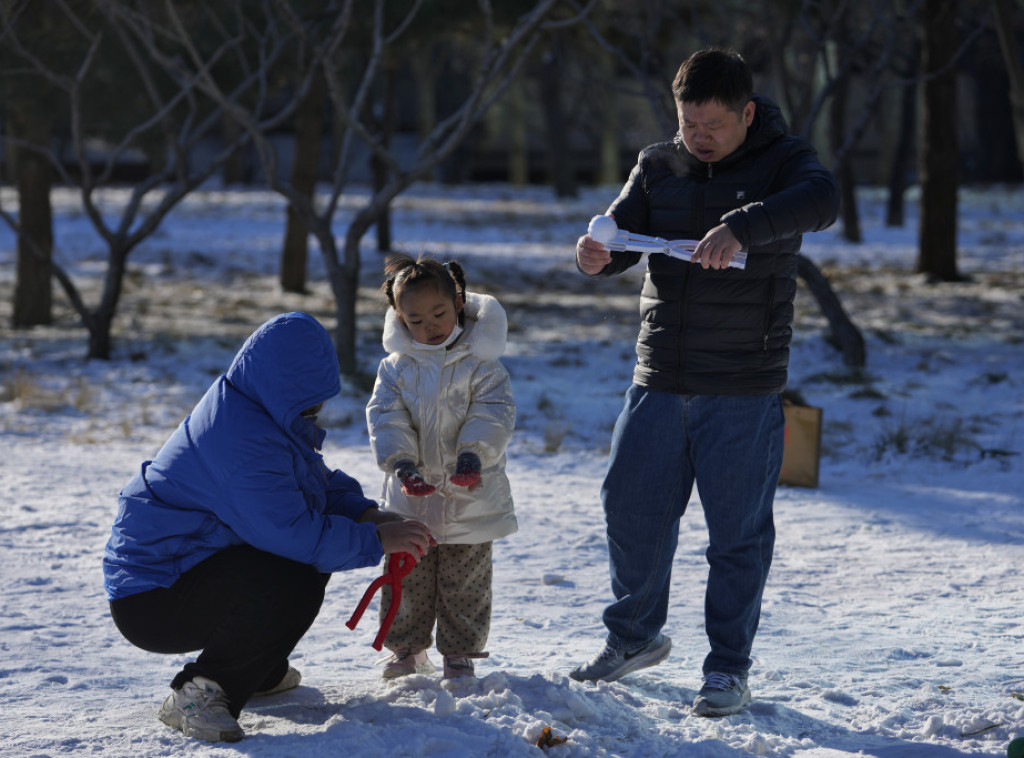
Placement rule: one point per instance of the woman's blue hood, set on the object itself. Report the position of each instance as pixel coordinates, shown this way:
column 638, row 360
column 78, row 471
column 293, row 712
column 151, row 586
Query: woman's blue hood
column 243, row 468
column 287, row 365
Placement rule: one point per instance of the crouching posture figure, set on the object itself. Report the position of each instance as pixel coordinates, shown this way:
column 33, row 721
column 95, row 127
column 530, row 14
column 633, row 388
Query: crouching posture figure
column 224, row 542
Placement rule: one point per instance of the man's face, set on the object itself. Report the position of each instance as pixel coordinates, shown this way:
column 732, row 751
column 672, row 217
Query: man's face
column 712, row 131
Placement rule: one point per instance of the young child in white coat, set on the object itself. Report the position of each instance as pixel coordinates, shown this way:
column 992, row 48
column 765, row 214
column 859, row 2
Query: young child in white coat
column 440, row 418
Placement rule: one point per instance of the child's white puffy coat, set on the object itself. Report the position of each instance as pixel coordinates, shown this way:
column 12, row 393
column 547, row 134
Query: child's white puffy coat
column 431, row 403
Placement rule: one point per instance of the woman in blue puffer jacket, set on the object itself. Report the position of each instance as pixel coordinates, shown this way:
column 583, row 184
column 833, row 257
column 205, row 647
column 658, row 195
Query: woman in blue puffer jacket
column 225, row 540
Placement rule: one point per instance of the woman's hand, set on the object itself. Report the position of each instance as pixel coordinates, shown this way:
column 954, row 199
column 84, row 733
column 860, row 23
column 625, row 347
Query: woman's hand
column 405, row 536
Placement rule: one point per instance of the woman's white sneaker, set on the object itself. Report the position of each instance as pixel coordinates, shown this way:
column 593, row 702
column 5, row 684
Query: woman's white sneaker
column 200, row 710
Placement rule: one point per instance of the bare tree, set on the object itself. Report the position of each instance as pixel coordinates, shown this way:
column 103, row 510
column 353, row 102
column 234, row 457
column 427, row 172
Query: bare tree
column 380, row 120
column 29, row 118
column 167, row 120
column 552, row 96
column 1005, row 26
column 309, row 130
column 876, row 56
column 500, row 50
column 842, row 166
column 902, row 153
column 30, row 124
column 939, row 145
column 845, row 48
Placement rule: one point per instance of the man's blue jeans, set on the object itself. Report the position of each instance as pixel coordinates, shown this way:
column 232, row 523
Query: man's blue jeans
column 731, row 445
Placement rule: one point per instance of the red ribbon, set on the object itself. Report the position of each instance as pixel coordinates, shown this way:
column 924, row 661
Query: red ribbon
column 399, row 566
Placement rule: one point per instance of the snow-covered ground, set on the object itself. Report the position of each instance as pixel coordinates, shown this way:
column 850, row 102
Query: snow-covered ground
column 893, row 621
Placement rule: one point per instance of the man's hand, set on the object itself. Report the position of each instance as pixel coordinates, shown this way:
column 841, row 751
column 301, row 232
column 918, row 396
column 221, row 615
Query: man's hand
column 406, row 536
column 717, row 248
column 591, row 256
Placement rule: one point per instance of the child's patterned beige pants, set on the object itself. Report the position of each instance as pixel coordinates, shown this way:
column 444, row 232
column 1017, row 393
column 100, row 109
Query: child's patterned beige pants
column 451, row 585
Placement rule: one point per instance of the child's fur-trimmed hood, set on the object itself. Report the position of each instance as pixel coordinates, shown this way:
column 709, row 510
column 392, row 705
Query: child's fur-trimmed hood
column 485, row 335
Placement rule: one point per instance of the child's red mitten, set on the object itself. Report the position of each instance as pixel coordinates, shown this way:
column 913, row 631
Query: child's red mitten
column 412, row 481
column 467, row 470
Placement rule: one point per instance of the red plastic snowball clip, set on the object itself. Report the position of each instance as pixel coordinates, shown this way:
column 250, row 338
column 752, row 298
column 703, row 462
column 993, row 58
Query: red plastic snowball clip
column 399, row 566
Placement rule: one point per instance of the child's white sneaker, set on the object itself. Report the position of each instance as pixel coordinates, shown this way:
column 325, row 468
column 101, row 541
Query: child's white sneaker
column 200, row 710
column 456, row 666
column 405, row 662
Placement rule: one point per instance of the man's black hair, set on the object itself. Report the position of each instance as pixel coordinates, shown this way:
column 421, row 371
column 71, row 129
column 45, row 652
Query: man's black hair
column 714, row 74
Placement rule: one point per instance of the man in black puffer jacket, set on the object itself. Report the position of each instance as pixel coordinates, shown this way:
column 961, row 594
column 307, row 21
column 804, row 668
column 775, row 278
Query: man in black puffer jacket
column 712, row 359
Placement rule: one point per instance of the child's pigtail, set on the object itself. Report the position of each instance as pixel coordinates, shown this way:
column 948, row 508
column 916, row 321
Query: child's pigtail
column 392, row 270
column 459, row 276
column 388, row 288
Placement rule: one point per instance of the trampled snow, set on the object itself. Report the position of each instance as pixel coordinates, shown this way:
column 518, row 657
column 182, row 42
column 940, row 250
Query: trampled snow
column 893, row 621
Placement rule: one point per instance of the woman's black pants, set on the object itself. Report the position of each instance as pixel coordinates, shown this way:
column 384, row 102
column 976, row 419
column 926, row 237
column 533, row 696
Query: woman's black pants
column 245, row 609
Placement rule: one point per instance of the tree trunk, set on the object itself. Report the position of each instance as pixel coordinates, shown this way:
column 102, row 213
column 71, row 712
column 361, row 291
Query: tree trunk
column 844, row 332
column 518, row 143
column 346, row 291
column 309, row 126
column 900, row 163
column 425, row 76
column 234, row 167
column 346, row 294
column 425, row 64
column 939, row 149
column 610, row 169
column 563, row 172
column 100, row 321
column 1004, row 25
column 100, row 343
column 386, row 128
column 843, row 168
column 33, row 291
column 343, row 276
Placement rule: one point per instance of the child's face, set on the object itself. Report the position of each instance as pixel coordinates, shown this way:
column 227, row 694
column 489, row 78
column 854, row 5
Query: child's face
column 429, row 314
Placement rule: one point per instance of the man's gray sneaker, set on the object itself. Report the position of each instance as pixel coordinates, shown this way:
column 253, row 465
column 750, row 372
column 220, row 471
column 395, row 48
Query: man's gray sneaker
column 612, row 664
column 721, row 695
column 200, row 709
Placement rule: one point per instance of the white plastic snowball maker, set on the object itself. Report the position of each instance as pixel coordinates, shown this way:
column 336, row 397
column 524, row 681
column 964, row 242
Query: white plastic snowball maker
column 603, row 229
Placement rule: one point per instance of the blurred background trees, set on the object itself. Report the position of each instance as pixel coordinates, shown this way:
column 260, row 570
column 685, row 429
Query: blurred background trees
column 309, row 97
